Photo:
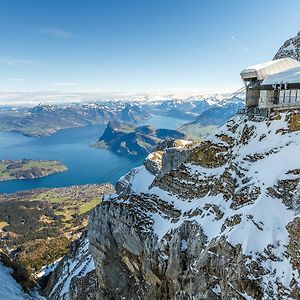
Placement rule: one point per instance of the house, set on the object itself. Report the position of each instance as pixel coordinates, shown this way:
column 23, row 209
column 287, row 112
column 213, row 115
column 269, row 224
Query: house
column 273, row 85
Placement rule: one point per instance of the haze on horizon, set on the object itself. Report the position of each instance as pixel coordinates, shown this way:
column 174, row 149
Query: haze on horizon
column 62, row 48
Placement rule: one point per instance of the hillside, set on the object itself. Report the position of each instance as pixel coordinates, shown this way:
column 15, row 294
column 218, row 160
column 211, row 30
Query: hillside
column 38, row 226
column 44, row 120
column 135, row 141
column 220, row 223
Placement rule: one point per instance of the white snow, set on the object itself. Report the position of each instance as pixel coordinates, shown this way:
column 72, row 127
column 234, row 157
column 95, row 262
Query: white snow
column 142, row 180
column 217, row 289
column 263, row 222
column 77, row 266
column 290, row 47
column 261, row 66
column 9, row 288
column 46, row 270
column 289, row 76
column 184, row 246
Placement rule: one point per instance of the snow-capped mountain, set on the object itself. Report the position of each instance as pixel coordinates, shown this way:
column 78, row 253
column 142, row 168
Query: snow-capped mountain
column 45, row 119
column 221, row 113
column 290, row 48
column 192, row 107
column 215, row 220
column 219, row 220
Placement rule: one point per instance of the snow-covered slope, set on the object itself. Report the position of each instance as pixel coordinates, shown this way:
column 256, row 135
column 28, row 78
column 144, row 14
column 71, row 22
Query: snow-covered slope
column 74, row 276
column 222, row 224
column 9, row 288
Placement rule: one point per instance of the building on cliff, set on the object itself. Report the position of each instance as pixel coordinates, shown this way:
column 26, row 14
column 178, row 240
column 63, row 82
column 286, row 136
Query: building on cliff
column 273, row 85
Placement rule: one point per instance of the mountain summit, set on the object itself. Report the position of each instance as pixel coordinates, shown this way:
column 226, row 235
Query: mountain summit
column 220, row 223
column 290, row 48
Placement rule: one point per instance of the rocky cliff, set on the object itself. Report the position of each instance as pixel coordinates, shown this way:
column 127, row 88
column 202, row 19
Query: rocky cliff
column 290, row 48
column 221, row 223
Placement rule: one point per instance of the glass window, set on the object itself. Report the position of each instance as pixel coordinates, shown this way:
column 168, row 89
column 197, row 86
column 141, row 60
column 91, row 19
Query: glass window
column 281, row 96
column 297, row 95
column 287, row 97
column 293, row 96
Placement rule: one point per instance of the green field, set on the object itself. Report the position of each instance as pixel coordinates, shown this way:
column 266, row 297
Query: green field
column 29, row 169
column 42, row 223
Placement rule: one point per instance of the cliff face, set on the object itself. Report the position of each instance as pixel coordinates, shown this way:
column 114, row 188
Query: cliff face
column 222, row 224
column 290, row 48
column 74, row 277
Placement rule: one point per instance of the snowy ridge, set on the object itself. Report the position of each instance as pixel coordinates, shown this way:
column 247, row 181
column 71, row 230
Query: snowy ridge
column 242, row 196
column 290, row 48
column 222, row 224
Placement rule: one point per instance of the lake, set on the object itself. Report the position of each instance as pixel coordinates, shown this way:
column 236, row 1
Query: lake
column 71, row 147
column 165, row 122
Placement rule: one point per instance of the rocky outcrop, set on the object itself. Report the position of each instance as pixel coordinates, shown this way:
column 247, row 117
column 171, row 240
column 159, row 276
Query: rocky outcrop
column 153, row 162
column 175, row 156
column 290, row 48
column 220, row 223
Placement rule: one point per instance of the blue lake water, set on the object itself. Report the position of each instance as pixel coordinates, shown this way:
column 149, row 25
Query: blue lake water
column 165, row 122
column 71, row 147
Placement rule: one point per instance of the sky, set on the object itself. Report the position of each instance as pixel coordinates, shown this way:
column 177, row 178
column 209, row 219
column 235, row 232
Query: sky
column 137, row 46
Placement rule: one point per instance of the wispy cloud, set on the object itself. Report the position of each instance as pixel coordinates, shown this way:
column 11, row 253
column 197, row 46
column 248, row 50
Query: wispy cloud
column 17, row 79
column 56, row 32
column 243, row 47
column 15, row 62
column 62, row 84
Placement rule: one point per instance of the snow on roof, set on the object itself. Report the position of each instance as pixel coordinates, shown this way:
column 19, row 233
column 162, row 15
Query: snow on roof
column 261, row 71
column 289, row 76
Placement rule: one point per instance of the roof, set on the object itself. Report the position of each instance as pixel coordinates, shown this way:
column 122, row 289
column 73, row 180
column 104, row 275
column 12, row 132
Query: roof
column 261, row 71
column 289, row 76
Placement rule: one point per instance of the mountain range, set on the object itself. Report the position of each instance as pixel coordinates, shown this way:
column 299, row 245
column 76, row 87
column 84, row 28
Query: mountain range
column 44, row 119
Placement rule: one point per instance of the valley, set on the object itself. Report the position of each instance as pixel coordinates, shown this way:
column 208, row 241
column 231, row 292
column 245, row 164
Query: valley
column 38, row 226
column 45, row 204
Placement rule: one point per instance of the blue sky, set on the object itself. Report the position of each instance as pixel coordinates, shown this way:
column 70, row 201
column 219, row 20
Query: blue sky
column 137, row 45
